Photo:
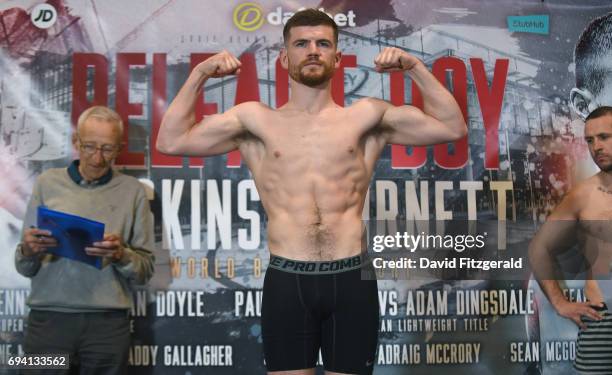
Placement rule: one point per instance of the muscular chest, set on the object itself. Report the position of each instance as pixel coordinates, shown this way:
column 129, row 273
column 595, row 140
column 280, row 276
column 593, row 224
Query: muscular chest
column 312, row 142
column 598, row 206
column 595, row 216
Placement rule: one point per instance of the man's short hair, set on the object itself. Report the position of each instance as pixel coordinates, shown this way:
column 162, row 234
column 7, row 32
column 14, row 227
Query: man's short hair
column 600, row 112
column 310, row 17
column 592, row 51
column 101, row 113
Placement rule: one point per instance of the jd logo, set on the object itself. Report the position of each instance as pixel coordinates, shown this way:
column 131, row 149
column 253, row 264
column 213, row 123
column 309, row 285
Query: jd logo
column 248, row 16
column 43, row 16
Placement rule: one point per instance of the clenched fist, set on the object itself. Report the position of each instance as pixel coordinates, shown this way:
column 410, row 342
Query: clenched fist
column 219, row 65
column 394, row 59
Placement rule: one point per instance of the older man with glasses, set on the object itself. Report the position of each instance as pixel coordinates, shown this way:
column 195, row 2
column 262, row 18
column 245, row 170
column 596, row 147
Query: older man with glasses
column 77, row 309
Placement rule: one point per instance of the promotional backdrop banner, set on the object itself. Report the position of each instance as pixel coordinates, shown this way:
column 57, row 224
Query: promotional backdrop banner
column 510, row 66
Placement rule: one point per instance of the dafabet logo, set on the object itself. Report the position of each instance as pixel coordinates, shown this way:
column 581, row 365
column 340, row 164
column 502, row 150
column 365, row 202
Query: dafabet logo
column 249, row 16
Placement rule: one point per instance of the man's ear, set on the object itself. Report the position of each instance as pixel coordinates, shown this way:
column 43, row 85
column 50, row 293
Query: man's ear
column 338, row 59
column 582, row 102
column 75, row 138
column 284, row 60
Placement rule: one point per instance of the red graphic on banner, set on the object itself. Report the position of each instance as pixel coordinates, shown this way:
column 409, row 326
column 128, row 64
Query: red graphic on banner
column 23, row 41
column 247, row 89
column 491, row 100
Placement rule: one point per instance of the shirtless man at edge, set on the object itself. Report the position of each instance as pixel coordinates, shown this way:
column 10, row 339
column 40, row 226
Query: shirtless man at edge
column 584, row 213
column 312, row 161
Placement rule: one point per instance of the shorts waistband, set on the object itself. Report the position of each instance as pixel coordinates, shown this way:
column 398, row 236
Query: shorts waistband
column 324, row 267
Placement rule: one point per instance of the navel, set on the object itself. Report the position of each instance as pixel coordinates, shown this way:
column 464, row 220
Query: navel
column 351, row 149
column 277, row 154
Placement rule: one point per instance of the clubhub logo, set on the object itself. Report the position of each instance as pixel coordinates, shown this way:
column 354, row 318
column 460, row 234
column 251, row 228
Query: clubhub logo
column 250, row 16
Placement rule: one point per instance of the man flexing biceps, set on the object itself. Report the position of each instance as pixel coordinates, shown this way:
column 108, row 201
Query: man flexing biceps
column 312, row 161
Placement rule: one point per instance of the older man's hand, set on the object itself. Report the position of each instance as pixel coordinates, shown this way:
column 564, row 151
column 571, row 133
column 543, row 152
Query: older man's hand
column 110, row 247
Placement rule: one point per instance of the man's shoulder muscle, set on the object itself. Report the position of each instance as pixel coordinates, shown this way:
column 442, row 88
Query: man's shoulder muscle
column 369, row 113
column 251, row 115
column 373, row 106
column 585, row 187
column 246, row 110
column 589, row 194
column 575, row 201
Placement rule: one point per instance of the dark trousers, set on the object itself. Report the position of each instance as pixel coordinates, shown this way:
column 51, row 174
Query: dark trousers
column 97, row 342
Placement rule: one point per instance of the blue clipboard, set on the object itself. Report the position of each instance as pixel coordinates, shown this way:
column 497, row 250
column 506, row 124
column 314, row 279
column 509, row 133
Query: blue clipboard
column 73, row 233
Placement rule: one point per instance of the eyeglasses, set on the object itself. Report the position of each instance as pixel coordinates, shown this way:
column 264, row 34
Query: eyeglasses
column 89, row 149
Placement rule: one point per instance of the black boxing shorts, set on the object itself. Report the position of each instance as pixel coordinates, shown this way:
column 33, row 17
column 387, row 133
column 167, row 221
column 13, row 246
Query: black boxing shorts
column 324, row 305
